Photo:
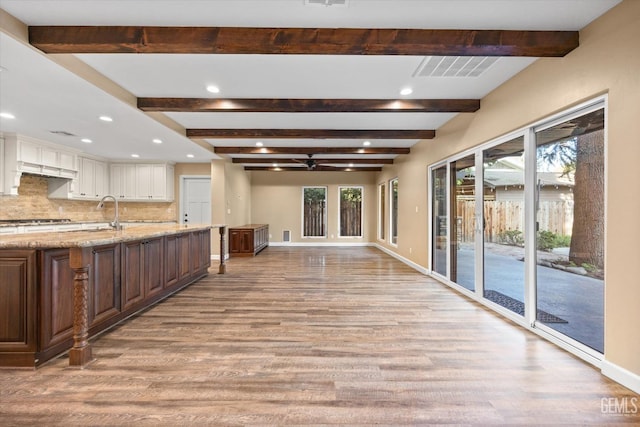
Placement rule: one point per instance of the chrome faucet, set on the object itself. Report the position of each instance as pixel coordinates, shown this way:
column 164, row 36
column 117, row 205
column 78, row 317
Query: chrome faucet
column 116, row 222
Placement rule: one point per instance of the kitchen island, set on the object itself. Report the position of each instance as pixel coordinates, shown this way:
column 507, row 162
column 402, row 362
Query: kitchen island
column 58, row 289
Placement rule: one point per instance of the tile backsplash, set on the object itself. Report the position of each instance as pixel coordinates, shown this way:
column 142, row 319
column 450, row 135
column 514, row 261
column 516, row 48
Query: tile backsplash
column 32, row 202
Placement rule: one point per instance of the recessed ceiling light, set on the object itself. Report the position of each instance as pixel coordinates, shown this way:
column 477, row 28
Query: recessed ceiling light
column 106, row 119
column 157, row 141
column 213, row 89
column 135, row 155
column 366, row 143
column 275, row 165
column 406, row 91
column 86, row 140
column 191, row 156
column 7, row 116
column 350, row 165
column 259, row 144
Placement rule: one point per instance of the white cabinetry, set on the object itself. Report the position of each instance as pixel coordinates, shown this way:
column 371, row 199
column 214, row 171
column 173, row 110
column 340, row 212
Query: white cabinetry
column 142, row 181
column 93, row 179
column 29, row 155
column 92, row 182
column 122, row 179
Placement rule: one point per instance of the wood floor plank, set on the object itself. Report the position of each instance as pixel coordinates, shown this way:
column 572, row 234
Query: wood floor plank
column 298, row 336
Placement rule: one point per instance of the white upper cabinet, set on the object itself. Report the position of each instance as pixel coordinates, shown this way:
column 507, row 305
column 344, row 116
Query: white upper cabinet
column 122, row 178
column 93, row 179
column 142, row 181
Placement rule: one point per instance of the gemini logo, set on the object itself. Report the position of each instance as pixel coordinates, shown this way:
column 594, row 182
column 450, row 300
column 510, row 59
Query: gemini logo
column 619, row 405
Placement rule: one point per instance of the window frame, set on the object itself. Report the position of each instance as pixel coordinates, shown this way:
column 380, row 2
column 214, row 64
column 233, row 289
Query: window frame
column 380, row 232
column 340, row 188
column 324, row 216
column 393, row 218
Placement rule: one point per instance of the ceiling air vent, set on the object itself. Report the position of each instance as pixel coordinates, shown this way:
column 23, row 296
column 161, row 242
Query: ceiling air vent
column 62, row 132
column 454, row 66
column 341, row 3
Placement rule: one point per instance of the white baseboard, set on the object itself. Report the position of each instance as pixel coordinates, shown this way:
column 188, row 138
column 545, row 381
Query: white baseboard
column 311, row 244
column 217, row 257
column 621, row 375
column 410, row 263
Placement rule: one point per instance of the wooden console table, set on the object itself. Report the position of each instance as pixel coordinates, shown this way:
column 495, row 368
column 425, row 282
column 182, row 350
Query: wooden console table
column 248, row 240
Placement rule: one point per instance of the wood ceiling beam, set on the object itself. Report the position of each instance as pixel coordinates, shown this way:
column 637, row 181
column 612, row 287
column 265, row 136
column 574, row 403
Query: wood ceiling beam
column 333, row 41
column 249, row 160
column 316, row 169
column 311, row 150
column 312, row 133
column 267, row 105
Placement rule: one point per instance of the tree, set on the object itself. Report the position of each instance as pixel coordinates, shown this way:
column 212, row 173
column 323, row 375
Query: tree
column 583, row 157
column 587, row 237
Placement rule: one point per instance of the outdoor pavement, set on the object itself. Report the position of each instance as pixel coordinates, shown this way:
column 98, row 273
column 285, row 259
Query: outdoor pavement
column 577, row 299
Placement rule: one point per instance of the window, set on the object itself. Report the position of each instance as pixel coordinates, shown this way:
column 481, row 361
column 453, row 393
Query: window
column 381, row 207
column 314, row 211
column 393, row 189
column 350, row 211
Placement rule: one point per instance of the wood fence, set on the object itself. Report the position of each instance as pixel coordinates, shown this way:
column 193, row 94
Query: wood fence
column 350, row 218
column 314, row 215
column 501, row 216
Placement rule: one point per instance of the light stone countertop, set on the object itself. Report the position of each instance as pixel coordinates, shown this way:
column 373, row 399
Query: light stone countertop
column 88, row 238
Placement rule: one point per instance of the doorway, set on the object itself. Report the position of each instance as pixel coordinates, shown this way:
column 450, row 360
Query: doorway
column 195, row 206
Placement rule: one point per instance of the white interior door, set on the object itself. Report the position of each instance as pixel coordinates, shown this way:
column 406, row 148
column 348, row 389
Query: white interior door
column 196, row 200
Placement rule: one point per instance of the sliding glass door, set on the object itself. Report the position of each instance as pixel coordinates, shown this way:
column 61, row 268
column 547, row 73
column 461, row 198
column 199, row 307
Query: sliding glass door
column 463, row 225
column 520, row 223
column 439, row 220
column 504, row 228
column 570, row 219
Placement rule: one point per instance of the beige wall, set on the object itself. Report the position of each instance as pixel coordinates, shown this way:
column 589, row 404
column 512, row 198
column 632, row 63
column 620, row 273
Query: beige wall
column 277, row 201
column 607, row 62
column 237, row 195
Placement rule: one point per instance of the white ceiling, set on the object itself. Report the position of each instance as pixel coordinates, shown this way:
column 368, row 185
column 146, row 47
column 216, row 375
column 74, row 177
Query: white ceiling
column 45, row 96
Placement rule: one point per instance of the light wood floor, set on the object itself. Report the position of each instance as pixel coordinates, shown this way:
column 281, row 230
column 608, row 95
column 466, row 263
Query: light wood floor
column 315, row 336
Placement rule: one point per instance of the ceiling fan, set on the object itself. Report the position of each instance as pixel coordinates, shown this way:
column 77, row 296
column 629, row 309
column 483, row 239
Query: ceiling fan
column 310, row 163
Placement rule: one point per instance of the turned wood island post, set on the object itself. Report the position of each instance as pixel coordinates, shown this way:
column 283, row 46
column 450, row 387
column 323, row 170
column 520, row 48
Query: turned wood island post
column 223, row 267
column 79, row 260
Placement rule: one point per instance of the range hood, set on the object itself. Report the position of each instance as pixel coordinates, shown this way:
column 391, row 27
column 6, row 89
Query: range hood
column 23, row 154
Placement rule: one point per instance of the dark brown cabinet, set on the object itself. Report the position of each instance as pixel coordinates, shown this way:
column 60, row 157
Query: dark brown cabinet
column 248, row 240
column 153, row 266
column 142, row 270
column 18, row 304
column 104, row 284
column 56, row 298
column 132, row 267
column 37, row 295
